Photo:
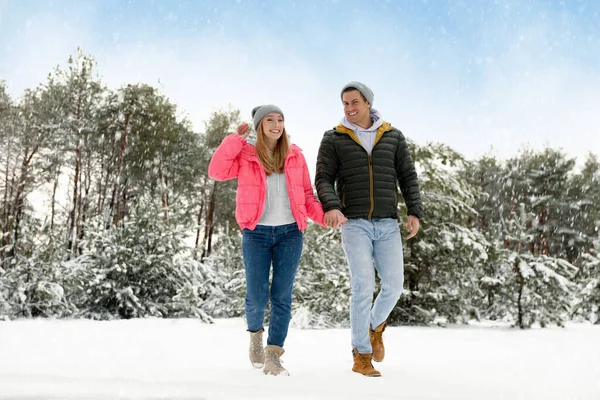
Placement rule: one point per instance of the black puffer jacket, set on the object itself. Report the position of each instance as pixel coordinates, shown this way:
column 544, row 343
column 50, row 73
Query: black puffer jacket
column 363, row 185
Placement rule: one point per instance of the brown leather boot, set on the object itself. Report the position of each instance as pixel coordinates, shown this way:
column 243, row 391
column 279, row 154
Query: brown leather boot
column 377, row 342
column 363, row 365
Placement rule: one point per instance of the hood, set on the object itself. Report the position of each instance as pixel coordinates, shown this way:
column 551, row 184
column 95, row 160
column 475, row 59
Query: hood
column 375, row 117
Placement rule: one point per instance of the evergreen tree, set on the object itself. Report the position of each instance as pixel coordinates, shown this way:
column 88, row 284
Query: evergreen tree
column 525, row 279
column 228, row 278
column 34, row 285
column 8, row 121
column 585, row 216
column 442, row 263
column 587, row 305
column 534, row 287
column 70, row 101
column 141, row 268
column 488, row 176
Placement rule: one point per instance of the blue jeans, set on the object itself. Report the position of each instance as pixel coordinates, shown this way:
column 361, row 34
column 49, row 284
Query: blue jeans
column 366, row 241
column 282, row 247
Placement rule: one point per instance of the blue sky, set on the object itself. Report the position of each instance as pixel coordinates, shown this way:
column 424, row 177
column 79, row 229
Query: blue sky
column 480, row 76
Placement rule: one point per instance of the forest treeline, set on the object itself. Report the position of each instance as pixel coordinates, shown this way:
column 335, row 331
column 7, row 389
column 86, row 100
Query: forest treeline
column 107, row 212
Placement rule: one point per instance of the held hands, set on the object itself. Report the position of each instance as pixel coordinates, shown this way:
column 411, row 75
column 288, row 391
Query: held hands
column 335, row 219
column 243, row 130
column 412, row 226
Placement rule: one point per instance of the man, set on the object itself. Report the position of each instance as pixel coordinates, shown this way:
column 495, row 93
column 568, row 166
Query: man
column 360, row 164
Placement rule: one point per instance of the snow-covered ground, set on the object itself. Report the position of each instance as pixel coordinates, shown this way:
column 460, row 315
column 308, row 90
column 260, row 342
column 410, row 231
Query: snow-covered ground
column 184, row 359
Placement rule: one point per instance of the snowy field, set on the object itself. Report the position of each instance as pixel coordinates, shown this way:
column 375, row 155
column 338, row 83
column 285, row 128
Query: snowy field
column 183, row 359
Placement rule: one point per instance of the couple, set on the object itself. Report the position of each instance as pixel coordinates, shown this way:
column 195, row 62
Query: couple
column 360, row 164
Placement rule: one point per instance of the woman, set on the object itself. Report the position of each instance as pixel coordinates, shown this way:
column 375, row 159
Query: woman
column 274, row 198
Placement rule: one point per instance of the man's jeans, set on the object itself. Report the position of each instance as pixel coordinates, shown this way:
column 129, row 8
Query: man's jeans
column 366, row 241
column 281, row 246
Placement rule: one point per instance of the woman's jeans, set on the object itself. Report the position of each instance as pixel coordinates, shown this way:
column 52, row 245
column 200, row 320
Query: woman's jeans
column 282, row 247
column 365, row 242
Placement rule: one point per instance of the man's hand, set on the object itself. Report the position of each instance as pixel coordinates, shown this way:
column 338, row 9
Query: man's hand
column 412, row 226
column 243, row 130
column 335, row 218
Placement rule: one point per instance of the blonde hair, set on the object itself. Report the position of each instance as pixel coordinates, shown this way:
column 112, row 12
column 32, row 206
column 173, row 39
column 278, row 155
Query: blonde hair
column 271, row 162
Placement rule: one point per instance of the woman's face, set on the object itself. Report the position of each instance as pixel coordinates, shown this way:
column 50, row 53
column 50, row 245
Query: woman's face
column 272, row 125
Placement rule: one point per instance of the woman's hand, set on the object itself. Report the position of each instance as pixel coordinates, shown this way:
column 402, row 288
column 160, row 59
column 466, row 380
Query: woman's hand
column 243, row 130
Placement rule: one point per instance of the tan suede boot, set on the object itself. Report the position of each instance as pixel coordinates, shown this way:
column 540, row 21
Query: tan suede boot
column 363, row 365
column 272, row 361
column 377, row 342
column 257, row 353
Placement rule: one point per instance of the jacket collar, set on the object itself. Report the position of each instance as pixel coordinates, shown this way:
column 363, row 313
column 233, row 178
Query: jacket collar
column 385, row 127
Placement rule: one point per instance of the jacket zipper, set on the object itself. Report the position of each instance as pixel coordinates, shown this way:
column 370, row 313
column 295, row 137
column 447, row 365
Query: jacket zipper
column 289, row 188
column 264, row 185
column 371, row 190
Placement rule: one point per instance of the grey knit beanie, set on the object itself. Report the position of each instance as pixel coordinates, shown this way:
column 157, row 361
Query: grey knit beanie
column 259, row 112
column 361, row 87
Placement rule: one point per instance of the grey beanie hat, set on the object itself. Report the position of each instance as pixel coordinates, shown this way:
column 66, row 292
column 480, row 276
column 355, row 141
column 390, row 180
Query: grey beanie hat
column 259, row 112
column 361, row 87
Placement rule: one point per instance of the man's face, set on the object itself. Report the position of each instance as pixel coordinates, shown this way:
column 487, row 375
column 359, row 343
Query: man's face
column 356, row 109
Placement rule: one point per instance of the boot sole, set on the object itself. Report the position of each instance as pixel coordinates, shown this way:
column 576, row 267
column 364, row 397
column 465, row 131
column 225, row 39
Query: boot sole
column 283, row 373
column 258, row 365
column 369, row 376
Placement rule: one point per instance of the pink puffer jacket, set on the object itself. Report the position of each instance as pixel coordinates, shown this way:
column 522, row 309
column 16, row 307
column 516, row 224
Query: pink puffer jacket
column 235, row 158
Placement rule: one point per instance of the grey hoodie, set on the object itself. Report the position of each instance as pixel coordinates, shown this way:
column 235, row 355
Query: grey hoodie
column 366, row 136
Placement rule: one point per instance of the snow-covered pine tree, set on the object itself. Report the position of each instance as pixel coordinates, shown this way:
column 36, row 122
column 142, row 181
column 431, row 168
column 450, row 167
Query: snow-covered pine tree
column 587, row 305
column 537, row 288
column 29, row 146
column 227, row 288
column 4, row 293
column 443, row 263
column 527, row 279
column 141, row 268
column 34, row 284
column 8, row 142
column 585, row 215
column 76, row 92
column 487, row 175
column 542, row 181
